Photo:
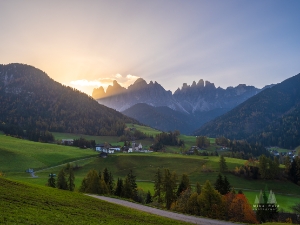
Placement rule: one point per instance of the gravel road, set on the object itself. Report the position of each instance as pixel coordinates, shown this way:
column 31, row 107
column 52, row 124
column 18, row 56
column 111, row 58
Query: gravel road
column 172, row 215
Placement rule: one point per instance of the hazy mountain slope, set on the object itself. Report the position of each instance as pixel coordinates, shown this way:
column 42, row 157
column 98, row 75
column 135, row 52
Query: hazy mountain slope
column 31, row 99
column 161, row 118
column 165, row 119
column 255, row 114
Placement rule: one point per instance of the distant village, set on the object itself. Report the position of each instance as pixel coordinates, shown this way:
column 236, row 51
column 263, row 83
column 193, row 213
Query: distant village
column 106, row 148
column 275, row 151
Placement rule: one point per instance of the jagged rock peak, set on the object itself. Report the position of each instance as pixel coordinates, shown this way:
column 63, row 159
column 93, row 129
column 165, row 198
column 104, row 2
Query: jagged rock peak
column 194, row 84
column 185, row 86
column 98, row 92
column 200, row 83
column 209, row 85
column 177, row 91
column 140, row 81
column 115, row 83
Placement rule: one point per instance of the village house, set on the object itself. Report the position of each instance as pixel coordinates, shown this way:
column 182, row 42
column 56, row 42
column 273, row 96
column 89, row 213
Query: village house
column 99, row 147
column 136, row 147
column 67, row 141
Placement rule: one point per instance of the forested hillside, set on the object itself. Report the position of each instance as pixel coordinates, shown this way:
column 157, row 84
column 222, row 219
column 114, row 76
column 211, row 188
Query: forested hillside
column 284, row 132
column 270, row 117
column 30, row 99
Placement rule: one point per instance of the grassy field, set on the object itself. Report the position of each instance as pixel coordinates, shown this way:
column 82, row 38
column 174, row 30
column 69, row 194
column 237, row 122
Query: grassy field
column 17, row 155
column 144, row 129
column 32, row 204
column 15, row 160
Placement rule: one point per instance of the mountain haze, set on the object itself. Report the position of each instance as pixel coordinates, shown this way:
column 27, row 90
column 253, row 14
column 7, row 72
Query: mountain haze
column 29, row 98
column 189, row 107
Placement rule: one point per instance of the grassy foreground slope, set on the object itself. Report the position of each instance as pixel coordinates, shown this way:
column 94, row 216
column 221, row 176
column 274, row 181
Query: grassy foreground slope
column 17, row 155
column 32, row 204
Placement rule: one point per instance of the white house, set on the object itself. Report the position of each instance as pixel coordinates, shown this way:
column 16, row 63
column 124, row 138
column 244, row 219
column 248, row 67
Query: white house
column 136, row 147
column 99, row 147
column 67, row 141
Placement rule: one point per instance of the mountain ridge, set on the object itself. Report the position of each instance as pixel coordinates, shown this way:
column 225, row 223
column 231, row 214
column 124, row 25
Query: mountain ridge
column 32, row 100
column 198, row 98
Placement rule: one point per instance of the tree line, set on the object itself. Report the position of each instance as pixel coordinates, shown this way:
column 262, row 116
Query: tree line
column 241, row 148
column 217, row 201
column 65, row 178
column 167, row 138
column 30, row 134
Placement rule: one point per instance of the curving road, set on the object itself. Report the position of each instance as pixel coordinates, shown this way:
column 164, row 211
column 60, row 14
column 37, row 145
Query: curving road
column 172, row 215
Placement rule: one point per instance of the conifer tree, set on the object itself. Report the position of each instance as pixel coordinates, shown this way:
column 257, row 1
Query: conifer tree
column 222, row 164
column 110, row 184
column 127, row 189
column 169, row 187
column 133, row 185
column 106, row 175
column 158, row 186
column 70, row 177
column 184, row 184
column 51, row 180
column 61, row 180
column 226, row 187
column 219, row 184
column 263, row 166
column 198, row 188
column 119, row 188
column 148, row 198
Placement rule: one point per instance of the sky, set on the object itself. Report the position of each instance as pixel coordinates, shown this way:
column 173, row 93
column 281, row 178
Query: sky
column 87, row 44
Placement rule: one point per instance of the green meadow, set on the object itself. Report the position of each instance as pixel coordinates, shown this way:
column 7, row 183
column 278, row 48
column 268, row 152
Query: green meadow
column 35, row 204
column 18, row 155
column 144, row 129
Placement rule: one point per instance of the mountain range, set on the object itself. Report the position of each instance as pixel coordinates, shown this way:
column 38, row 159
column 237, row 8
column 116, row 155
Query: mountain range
column 187, row 109
column 30, row 99
column 271, row 117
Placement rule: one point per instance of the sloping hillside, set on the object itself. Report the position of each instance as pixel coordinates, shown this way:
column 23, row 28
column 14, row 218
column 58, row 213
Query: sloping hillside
column 31, row 99
column 32, row 204
column 269, row 107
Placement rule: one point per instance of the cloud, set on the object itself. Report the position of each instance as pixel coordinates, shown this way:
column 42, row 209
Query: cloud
column 85, row 83
column 131, row 77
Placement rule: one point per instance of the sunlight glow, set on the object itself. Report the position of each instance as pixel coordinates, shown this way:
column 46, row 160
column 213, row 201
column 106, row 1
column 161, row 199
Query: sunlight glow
column 87, row 86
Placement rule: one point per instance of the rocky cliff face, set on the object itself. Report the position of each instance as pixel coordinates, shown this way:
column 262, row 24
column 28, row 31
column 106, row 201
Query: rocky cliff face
column 200, row 97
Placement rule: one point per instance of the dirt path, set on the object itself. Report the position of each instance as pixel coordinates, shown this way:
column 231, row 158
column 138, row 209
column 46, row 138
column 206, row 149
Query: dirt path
column 64, row 164
column 172, row 215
